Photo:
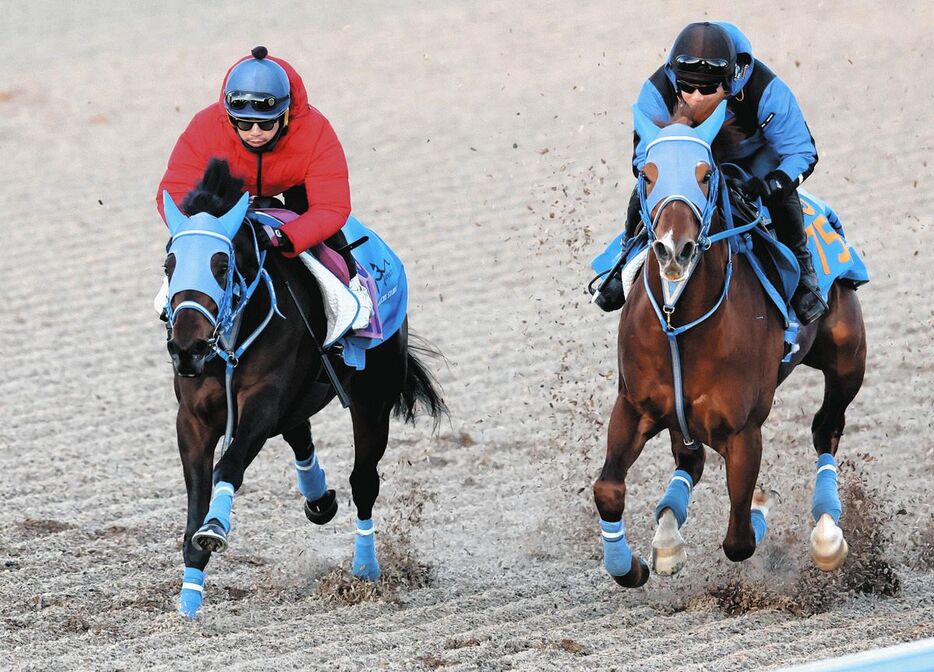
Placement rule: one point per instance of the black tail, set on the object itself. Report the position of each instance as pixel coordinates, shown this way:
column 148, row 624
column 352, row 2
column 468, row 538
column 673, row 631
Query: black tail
column 420, row 386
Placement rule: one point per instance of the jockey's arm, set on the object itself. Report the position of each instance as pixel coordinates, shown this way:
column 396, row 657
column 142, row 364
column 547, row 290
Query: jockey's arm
column 786, row 131
column 185, row 168
column 651, row 103
column 328, row 189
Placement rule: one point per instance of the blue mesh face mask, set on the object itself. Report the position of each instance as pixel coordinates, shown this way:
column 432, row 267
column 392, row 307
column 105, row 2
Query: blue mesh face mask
column 195, row 241
column 676, row 151
column 194, row 248
column 676, row 155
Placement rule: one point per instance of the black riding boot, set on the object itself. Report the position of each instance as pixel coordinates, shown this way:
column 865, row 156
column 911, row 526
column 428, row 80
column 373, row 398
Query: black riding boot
column 611, row 290
column 789, row 225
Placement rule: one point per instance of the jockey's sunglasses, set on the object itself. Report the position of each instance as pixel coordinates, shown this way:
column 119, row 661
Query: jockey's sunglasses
column 247, row 124
column 703, row 89
column 261, row 102
column 706, row 66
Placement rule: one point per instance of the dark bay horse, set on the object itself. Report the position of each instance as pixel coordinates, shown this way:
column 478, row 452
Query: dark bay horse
column 228, row 314
column 700, row 350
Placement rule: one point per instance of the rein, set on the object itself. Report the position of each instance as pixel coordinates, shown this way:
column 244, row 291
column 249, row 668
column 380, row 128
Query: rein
column 229, row 318
column 704, row 242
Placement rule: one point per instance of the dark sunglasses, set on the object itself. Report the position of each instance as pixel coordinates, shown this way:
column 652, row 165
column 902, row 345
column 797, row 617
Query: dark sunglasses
column 703, row 89
column 247, row 124
column 261, row 102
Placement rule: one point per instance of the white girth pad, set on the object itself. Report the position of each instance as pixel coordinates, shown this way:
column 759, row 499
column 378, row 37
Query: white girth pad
column 340, row 305
column 631, row 270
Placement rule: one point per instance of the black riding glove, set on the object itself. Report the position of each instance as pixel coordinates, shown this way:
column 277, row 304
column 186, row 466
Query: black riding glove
column 775, row 186
column 269, row 238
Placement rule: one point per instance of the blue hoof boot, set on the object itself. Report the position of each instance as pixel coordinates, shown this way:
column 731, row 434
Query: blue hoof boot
column 365, row 563
column 211, row 537
column 322, row 510
column 192, row 594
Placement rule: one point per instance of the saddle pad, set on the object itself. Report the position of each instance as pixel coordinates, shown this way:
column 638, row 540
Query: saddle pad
column 833, row 256
column 377, row 263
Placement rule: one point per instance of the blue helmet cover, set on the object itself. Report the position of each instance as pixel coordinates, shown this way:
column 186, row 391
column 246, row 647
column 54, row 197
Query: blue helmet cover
column 195, row 240
column 258, row 76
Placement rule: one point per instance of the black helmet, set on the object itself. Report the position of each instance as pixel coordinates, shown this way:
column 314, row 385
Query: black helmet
column 703, row 53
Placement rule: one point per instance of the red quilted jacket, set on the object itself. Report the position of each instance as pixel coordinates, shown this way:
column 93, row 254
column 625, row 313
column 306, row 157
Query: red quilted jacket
column 308, row 153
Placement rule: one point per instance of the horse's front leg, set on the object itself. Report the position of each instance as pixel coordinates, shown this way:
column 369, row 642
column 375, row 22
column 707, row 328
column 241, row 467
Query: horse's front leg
column 749, row 505
column 320, row 502
column 625, row 440
column 196, row 441
column 668, row 554
column 258, row 414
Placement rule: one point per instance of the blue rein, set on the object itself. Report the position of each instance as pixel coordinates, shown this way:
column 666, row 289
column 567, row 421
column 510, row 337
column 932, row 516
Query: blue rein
column 229, row 316
column 704, row 241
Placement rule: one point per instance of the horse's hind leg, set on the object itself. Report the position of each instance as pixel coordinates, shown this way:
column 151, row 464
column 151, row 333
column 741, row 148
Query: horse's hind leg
column 373, row 393
column 839, row 351
column 625, row 440
column 320, row 502
column 668, row 554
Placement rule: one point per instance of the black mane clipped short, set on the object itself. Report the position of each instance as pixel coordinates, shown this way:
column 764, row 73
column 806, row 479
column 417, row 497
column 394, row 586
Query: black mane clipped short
column 216, row 193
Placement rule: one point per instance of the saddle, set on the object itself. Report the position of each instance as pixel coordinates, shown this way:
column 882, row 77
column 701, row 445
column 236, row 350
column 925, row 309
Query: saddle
column 329, row 271
column 379, row 270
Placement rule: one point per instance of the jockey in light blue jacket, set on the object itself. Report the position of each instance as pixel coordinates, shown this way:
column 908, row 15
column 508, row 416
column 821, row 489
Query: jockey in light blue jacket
column 710, row 62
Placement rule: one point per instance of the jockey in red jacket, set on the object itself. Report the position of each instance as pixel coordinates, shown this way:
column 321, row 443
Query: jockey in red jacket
column 290, row 149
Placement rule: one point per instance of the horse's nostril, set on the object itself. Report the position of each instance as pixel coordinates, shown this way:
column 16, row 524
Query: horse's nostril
column 171, row 347
column 660, row 250
column 687, row 251
column 200, row 349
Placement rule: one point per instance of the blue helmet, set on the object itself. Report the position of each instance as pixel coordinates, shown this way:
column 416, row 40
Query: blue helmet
column 257, row 88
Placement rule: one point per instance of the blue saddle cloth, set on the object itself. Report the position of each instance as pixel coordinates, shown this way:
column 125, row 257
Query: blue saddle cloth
column 379, row 262
column 375, row 260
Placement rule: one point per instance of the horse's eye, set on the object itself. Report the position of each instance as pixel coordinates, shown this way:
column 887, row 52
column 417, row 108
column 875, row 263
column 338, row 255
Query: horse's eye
column 707, row 177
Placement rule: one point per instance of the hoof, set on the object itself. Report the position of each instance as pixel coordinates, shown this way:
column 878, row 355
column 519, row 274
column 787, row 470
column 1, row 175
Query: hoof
column 668, row 555
column 211, row 537
column 322, row 509
column 828, row 547
column 637, row 576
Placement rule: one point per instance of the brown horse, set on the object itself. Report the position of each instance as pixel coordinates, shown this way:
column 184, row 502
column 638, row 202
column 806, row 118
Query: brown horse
column 705, row 365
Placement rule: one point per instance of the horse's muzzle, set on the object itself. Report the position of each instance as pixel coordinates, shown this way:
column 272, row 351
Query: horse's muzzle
column 189, row 362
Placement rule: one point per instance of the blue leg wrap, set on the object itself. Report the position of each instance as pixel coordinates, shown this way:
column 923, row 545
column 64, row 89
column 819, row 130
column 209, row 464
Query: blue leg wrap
column 189, row 600
column 826, row 499
column 312, row 482
column 221, row 504
column 759, row 526
column 365, row 564
column 617, row 558
column 676, row 497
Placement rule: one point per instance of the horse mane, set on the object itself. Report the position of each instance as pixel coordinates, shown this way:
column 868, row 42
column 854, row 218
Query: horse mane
column 723, row 145
column 216, row 193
